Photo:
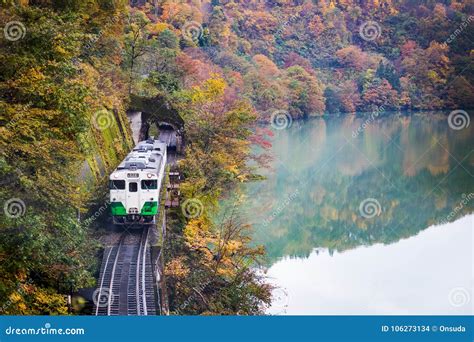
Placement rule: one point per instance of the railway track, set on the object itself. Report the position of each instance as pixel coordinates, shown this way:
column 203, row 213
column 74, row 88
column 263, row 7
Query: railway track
column 126, row 278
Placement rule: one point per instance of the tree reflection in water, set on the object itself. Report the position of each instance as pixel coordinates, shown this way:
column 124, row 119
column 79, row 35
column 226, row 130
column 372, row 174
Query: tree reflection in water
column 416, row 167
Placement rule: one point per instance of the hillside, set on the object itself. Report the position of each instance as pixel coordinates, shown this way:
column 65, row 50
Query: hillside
column 308, row 57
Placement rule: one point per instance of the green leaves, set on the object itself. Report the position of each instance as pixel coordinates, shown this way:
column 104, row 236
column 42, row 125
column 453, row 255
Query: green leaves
column 48, row 98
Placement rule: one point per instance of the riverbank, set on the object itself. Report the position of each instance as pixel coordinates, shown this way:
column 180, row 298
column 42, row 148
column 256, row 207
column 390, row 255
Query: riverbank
column 285, row 118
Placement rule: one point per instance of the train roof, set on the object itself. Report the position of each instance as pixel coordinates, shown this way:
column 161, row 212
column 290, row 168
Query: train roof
column 147, row 155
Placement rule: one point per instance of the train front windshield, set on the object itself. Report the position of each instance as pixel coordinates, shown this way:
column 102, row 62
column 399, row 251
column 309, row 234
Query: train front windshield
column 149, row 184
column 117, row 185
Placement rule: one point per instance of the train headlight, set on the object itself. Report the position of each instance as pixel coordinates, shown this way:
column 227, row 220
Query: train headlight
column 149, row 175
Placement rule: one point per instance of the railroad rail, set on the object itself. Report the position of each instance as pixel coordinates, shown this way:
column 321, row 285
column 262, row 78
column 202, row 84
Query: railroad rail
column 126, row 278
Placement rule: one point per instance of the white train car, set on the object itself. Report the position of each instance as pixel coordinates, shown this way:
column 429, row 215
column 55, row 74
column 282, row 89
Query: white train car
column 135, row 184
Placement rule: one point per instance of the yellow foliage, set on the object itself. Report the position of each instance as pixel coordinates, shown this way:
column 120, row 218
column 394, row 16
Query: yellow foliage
column 212, row 89
column 48, row 303
column 432, row 75
column 15, row 297
column 158, row 27
column 332, row 5
column 233, row 246
column 59, row 49
column 233, row 168
column 195, row 232
column 177, row 268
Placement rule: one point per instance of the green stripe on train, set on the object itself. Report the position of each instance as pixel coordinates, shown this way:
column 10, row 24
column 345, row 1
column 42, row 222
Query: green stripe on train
column 118, row 209
column 150, row 208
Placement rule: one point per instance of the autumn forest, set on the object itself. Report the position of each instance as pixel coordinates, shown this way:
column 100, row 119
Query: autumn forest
column 71, row 69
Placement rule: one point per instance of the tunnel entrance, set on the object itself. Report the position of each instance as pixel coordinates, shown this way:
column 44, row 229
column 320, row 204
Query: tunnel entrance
column 167, row 133
column 160, row 120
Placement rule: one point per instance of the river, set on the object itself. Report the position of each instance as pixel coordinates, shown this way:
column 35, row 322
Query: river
column 363, row 216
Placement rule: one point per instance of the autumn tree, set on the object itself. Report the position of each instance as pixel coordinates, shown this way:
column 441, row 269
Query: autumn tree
column 380, row 94
column 136, row 42
column 305, row 92
column 63, row 77
column 218, row 253
column 428, row 69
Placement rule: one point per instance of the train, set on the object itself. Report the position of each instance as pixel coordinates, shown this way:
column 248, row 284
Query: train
column 135, row 184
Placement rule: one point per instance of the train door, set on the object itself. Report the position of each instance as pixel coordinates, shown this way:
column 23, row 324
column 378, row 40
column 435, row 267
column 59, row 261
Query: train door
column 133, row 198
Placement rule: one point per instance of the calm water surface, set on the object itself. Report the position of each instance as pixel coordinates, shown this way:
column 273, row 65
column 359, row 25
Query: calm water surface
column 376, row 222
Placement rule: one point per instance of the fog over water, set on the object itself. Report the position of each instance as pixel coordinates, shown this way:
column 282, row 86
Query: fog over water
column 371, row 220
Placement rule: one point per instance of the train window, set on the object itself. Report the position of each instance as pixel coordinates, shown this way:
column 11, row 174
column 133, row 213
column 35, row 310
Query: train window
column 133, row 187
column 151, row 184
column 117, row 184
